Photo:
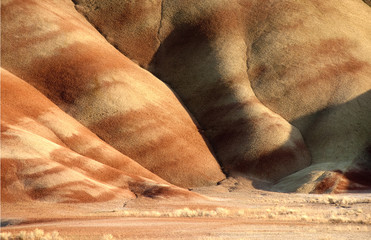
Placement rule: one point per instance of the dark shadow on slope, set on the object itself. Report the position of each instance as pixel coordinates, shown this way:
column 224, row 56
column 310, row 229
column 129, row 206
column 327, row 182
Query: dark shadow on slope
column 189, row 64
column 339, row 139
column 180, row 62
column 368, row 2
column 177, row 59
column 10, row 222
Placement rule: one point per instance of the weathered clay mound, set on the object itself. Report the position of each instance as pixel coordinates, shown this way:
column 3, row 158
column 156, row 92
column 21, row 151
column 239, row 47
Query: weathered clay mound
column 47, row 155
column 280, row 89
column 275, row 85
column 58, row 52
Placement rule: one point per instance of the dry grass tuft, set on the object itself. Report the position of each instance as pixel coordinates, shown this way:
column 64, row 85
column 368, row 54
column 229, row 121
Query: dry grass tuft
column 108, row 237
column 343, row 201
column 184, row 212
column 37, row 234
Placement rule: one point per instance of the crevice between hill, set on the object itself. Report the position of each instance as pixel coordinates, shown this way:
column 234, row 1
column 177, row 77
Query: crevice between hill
column 368, row 2
column 113, row 42
column 77, row 6
column 160, row 24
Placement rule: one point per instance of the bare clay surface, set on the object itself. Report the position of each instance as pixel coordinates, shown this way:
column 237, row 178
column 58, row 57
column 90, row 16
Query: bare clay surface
column 235, row 211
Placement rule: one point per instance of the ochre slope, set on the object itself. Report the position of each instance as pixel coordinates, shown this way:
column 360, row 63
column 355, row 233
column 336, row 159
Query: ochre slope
column 276, row 85
column 52, row 47
column 281, row 89
column 312, row 65
column 131, row 26
column 202, row 55
column 47, row 155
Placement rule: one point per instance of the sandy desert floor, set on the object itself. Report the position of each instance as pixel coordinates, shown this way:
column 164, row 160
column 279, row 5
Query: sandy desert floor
column 235, row 211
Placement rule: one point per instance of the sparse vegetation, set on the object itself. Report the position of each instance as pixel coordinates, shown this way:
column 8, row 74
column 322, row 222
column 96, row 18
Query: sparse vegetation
column 215, row 238
column 342, row 201
column 185, row 212
column 37, row 234
column 108, row 237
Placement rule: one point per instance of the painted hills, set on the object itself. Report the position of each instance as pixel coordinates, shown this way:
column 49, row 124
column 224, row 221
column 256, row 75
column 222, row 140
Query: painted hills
column 107, row 99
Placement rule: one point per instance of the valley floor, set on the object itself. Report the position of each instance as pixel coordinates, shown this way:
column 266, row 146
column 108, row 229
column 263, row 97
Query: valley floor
column 235, row 211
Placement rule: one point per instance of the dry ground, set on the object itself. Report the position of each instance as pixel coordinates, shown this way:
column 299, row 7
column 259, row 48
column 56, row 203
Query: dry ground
column 235, row 211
